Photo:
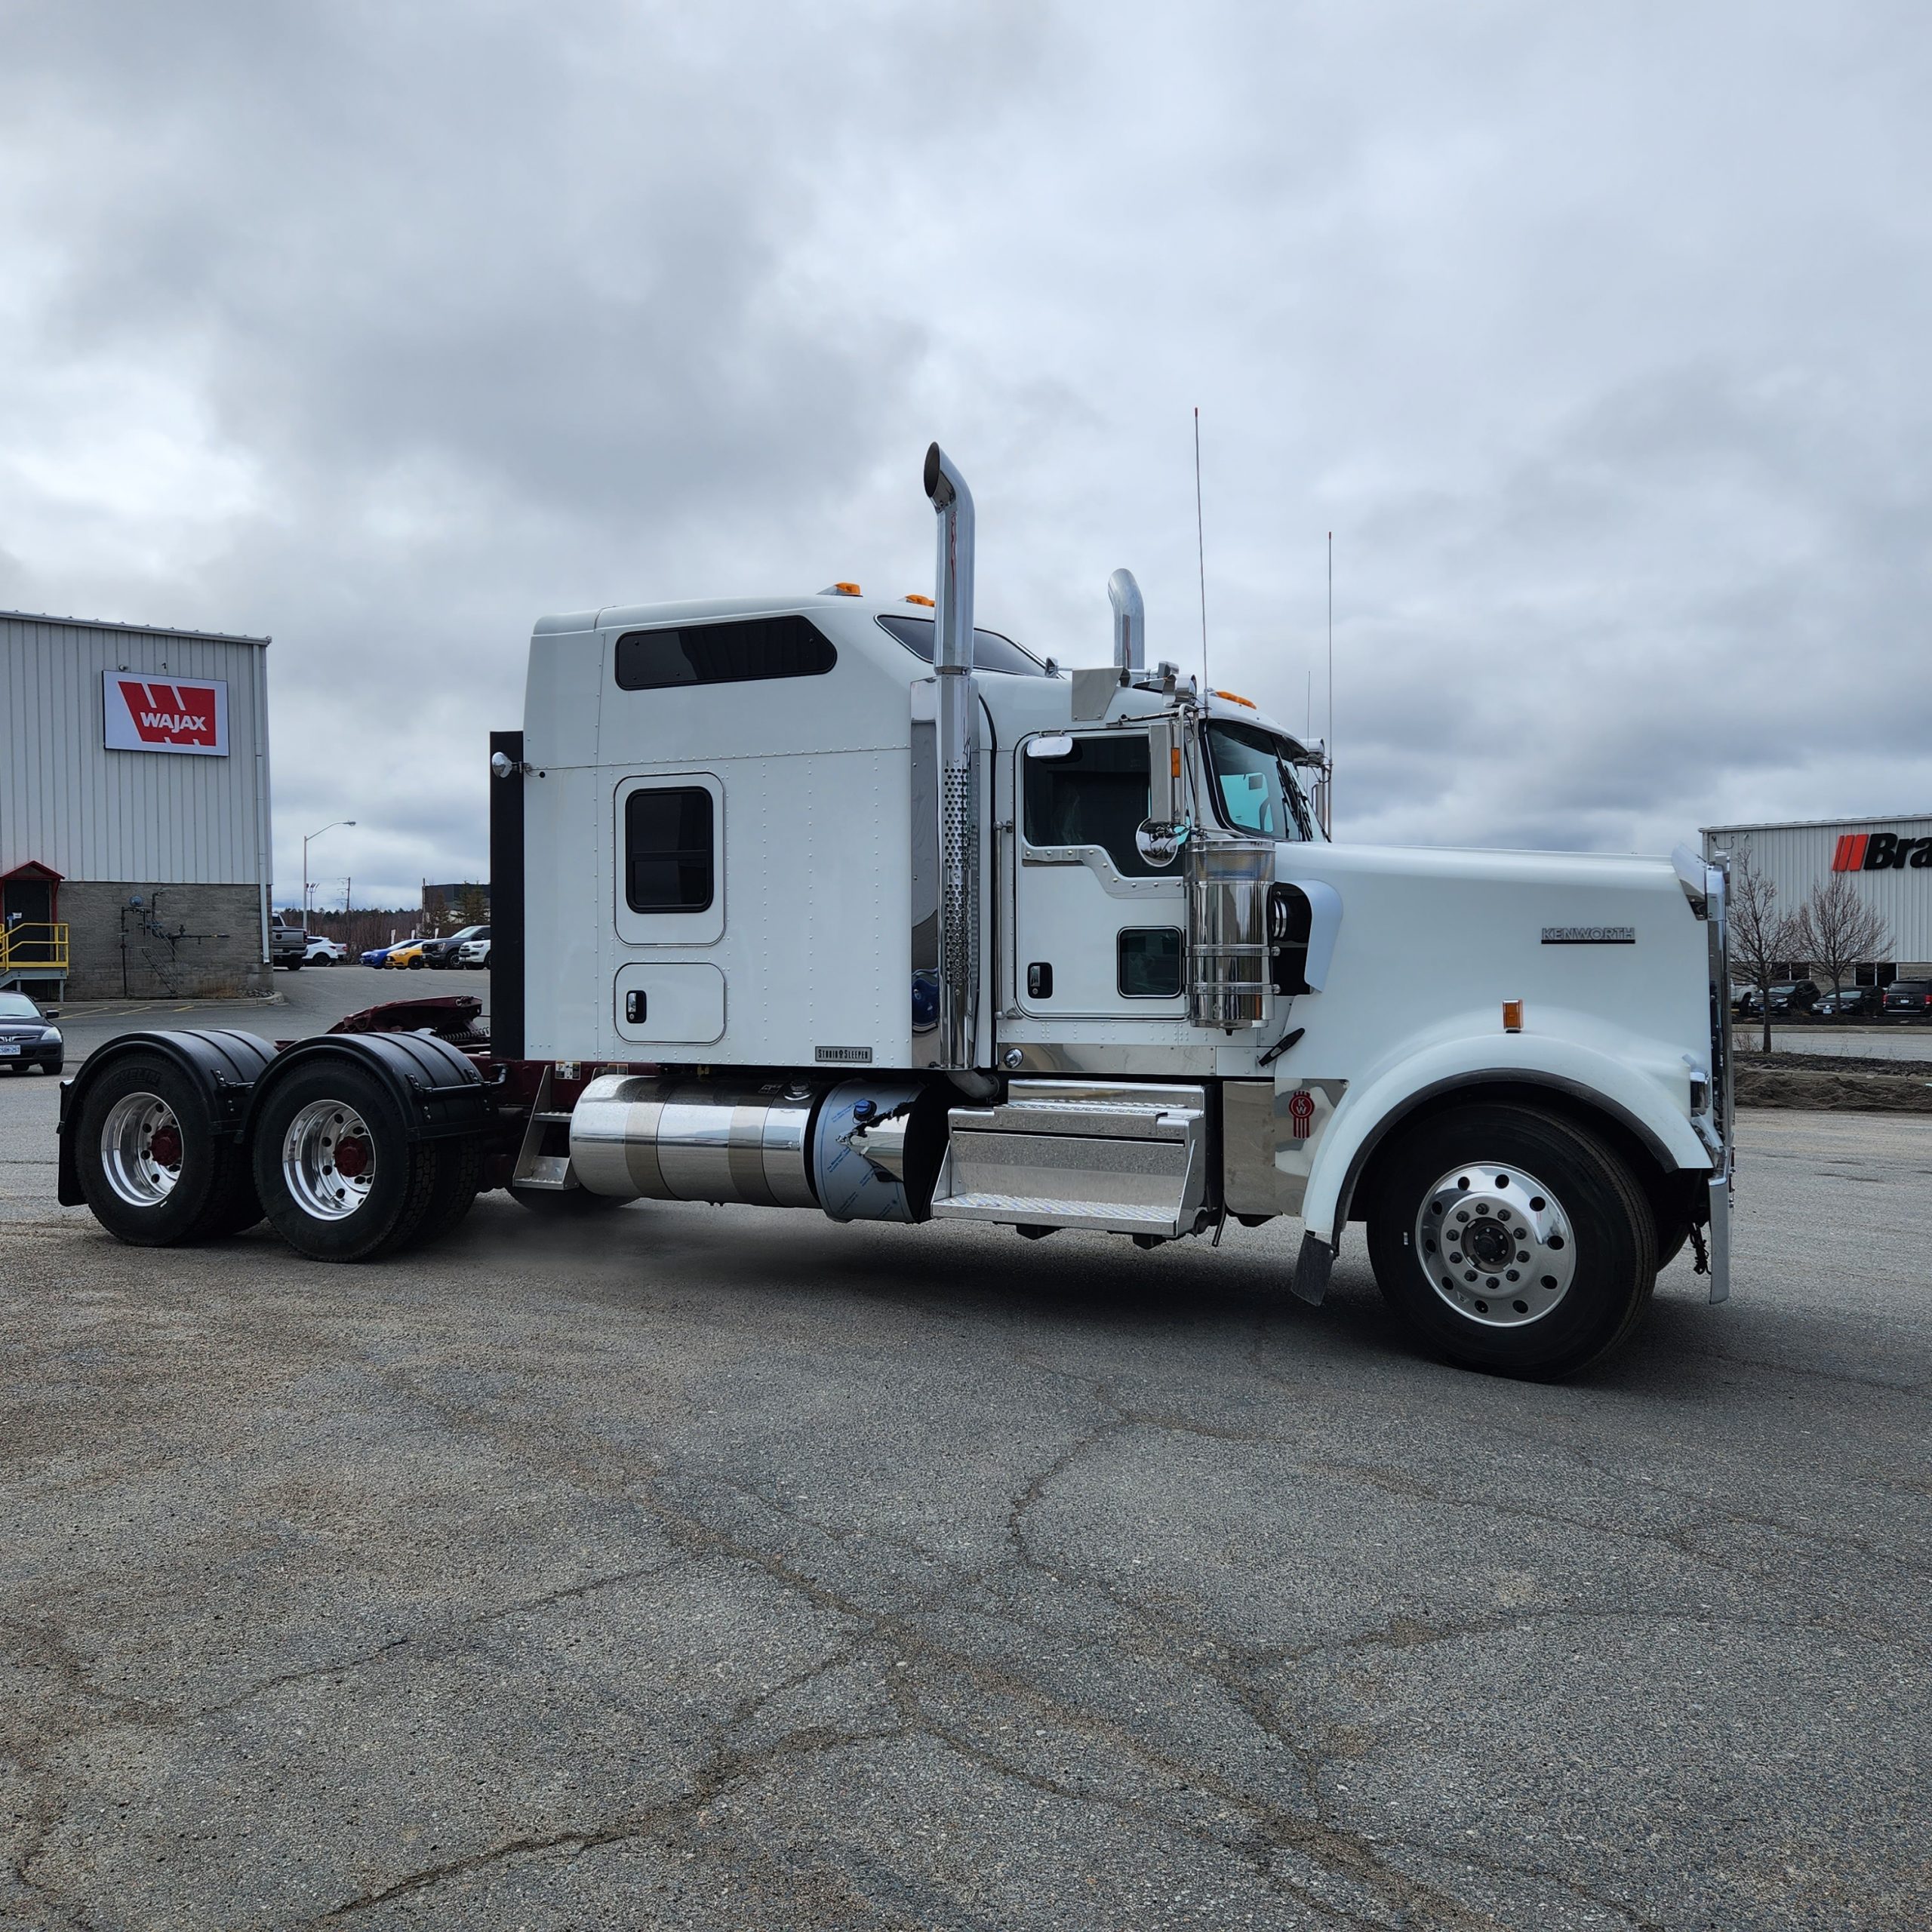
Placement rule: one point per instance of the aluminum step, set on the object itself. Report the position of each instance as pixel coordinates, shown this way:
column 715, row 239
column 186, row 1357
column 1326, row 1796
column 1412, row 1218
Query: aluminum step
column 1109, row 1156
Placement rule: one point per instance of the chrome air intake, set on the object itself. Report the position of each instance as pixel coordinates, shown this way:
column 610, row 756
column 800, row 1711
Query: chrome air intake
column 958, row 821
column 1227, row 929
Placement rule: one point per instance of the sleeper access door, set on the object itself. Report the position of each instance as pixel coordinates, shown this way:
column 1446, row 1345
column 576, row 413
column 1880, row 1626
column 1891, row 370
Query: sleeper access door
column 1099, row 930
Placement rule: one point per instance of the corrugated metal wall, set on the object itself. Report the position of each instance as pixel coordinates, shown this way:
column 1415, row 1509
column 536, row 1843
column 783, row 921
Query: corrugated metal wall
column 92, row 813
column 1795, row 857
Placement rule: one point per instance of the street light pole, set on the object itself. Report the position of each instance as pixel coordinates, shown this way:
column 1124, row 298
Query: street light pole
column 305, row 838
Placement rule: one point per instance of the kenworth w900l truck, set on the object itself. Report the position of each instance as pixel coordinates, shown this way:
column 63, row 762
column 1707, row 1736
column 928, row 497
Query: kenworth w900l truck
column 837, row 904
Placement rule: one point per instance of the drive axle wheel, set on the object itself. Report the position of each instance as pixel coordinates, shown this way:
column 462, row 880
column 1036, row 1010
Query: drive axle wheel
column 150, row 1163
column 337, row 1173
column 1512, row 1241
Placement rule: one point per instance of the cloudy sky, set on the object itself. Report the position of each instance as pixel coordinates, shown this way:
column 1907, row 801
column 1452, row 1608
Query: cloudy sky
column 1598, row 336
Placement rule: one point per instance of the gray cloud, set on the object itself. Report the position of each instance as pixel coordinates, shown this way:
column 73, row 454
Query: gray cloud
column 1596, row 340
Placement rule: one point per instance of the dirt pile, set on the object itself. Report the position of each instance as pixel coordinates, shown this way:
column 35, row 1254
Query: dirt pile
column 1816, row 1080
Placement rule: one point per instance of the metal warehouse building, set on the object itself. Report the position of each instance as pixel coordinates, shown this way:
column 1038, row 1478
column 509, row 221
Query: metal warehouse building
column 1888, row 860
column 134, row 837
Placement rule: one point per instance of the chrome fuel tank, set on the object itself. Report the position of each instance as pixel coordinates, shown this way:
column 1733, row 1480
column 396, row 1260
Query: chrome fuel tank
column 640, row 1137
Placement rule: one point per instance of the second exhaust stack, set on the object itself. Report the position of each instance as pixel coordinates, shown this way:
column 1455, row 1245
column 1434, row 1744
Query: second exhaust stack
column 1130, row 624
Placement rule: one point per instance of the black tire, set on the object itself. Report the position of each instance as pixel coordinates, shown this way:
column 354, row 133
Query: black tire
column 416, row 965
column 295, row 965
column 1670, row 1245
column 53, row 1066
column 1490, row 1321
column 401, row 1172
column 459, row 1176
column 155, row 1202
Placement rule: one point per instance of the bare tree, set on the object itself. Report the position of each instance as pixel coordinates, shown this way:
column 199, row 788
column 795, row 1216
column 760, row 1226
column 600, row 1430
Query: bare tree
column 1836, row 929
column 1763, row 939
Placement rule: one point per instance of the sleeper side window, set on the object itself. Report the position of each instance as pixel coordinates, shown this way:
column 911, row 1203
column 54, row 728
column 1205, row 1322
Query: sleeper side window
column 1096, row 794
column 741, row 652
column 669, row 850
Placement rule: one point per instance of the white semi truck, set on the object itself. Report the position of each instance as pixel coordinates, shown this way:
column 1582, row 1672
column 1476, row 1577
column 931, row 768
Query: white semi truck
column 838, row 904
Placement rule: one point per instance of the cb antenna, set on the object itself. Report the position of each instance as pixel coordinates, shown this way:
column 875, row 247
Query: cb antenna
column 1200, row 551
column 1331, row 684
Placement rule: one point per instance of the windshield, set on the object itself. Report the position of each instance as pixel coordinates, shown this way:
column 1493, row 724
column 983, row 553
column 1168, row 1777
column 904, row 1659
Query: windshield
column 1254, row 786
column 17, row 1006
column 991, row 652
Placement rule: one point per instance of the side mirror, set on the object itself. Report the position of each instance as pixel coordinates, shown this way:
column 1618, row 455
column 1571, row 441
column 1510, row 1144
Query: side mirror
column 1159, row 841
column 1050, row 744
column 50, row 1013
column 1166, row 793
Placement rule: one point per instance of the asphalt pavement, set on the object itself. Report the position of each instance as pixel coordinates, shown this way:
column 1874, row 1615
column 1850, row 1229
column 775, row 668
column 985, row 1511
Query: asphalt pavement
column 718, row 1568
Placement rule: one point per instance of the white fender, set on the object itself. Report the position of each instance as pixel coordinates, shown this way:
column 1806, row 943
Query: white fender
column 1641, row 1096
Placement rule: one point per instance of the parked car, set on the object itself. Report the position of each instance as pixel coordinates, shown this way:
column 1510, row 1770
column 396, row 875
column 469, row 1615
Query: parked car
column 323, row 951
column 442, row 953
column 406, row 952
column 28, row 1037
column 475, row 953
column 376, row 955
column 288, row 946
column 1909, row 999
column 1847, row 1003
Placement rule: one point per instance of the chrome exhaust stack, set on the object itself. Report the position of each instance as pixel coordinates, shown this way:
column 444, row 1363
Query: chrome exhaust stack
column 1130, row 625
column 958, row 821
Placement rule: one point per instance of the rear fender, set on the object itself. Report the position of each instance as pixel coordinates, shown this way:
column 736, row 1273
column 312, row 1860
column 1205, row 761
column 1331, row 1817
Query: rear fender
column 224, row 1067
column 437, row 1090
column 1366, row 1117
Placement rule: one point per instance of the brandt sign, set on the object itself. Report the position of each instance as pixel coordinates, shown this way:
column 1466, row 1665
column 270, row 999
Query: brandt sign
column 1880, row 852
column 166, row 714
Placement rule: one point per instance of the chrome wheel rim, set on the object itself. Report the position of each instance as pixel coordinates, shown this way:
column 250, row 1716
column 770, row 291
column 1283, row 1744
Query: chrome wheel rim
column 328, row 1160
column 140, row 1149
column 1496, row 1244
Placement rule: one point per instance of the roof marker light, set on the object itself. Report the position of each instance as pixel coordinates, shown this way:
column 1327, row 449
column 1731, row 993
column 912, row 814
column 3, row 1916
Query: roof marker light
column 1233, row 698
column 841, row 588
column 913, row 597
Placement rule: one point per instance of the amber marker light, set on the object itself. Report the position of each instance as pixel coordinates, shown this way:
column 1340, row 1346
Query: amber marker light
column 913, row 597
column 842, row 589
column 1235, row 697
column 1512, row 1016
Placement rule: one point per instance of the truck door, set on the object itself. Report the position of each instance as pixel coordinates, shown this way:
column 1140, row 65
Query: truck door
column 1098, row 931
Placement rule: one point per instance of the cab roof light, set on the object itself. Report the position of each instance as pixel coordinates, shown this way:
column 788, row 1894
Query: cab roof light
column 1512, row 1016
column 841, row 588
column 913, row 597
column 1235, row 697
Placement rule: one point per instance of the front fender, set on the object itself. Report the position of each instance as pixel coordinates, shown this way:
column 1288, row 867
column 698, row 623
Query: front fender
column 1367, row 1114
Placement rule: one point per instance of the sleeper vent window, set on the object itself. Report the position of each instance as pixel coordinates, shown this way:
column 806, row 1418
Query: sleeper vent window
column 734, row 653
column 668, row 846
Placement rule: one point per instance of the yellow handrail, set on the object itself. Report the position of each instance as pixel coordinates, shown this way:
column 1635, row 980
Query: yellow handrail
column 39, row 943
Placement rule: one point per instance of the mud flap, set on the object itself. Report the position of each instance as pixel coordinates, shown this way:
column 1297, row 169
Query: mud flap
column 1311, row 1267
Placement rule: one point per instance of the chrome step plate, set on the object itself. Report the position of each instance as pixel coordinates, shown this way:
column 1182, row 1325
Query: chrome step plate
column 1115, row 1158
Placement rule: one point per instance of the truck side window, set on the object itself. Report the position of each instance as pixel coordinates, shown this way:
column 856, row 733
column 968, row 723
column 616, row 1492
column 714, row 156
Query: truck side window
column 1149, row 962
column 1097, row 795
column 668, row 856
column 731, row 653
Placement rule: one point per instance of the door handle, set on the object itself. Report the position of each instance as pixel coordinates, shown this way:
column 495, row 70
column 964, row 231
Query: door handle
column 636, row 1006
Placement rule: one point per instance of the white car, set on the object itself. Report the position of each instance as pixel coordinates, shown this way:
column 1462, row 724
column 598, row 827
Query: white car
column 321, row 952
column 474, row 953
